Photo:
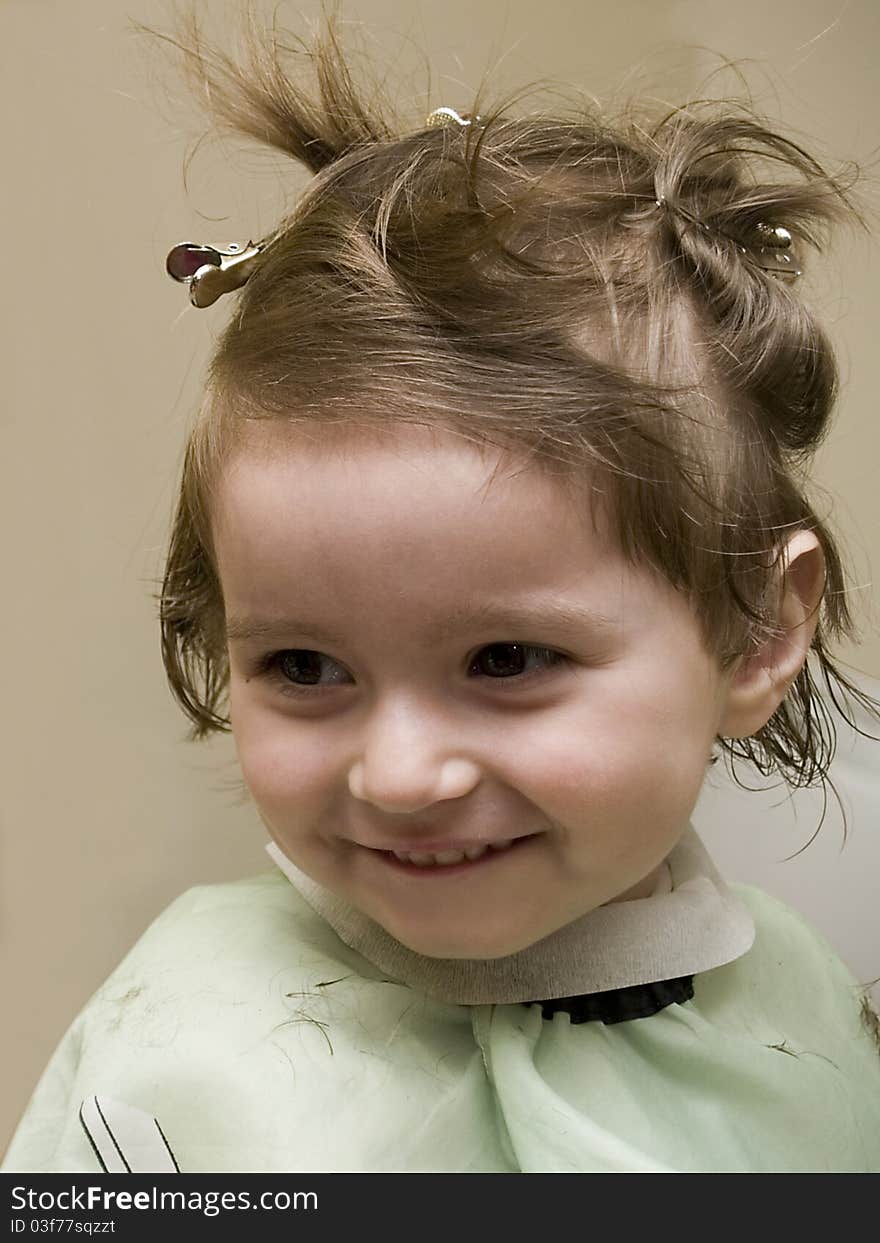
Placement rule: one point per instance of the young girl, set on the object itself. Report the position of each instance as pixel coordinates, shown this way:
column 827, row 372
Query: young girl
column 491, row 527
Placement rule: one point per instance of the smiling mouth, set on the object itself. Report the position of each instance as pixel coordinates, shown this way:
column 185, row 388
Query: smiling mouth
column 452, row 861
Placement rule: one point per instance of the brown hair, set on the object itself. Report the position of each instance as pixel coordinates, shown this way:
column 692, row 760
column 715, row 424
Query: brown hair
column 584, row 290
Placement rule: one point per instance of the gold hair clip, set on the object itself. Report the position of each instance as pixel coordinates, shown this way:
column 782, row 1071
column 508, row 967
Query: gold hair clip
column 448, row 116
column 210, row 271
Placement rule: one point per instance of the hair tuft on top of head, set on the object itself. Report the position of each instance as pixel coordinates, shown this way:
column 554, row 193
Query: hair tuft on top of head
column 260, row 92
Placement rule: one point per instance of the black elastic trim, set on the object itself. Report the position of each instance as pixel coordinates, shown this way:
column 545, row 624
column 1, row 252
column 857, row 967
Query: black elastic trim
column 620, row 1005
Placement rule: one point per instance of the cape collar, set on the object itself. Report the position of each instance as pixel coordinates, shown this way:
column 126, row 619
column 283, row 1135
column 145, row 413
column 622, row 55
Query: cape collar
column 691, row 923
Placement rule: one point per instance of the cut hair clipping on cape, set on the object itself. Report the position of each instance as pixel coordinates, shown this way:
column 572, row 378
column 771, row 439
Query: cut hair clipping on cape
column 125, row 1139
column 211, row 271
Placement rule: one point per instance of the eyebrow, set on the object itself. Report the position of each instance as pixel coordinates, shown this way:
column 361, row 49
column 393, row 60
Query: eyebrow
column 556, row 615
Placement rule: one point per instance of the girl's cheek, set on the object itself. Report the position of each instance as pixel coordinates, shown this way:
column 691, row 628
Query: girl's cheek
column 284, row 769
column 276, row 759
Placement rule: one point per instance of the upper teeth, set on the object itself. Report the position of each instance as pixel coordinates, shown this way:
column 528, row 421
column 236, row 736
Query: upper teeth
column 423, row 859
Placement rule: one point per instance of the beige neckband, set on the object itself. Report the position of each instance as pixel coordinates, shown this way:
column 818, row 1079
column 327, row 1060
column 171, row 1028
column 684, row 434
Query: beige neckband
column 691, row 923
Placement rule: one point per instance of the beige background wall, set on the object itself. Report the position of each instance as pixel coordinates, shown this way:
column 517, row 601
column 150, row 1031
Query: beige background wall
column 106, row 812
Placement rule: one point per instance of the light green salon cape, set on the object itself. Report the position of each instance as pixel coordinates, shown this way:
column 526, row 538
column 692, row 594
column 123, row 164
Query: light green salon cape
column 262, row 1043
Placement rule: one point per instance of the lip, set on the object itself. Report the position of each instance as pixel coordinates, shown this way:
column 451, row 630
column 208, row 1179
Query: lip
column 437, row 845
column 388, row 859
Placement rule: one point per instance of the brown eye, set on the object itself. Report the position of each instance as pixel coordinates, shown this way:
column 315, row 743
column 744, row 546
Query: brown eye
column 510, row 660
column 299, row 670
column 300, row 666
column 501, row 660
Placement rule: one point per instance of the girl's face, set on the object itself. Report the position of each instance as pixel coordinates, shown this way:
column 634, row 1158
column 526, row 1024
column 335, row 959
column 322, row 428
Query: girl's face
column 425, row 661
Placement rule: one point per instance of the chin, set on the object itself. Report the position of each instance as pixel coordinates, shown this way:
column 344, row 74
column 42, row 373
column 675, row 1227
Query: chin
column 477, row 948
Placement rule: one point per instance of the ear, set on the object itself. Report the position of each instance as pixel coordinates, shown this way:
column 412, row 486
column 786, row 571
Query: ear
column 761, row 681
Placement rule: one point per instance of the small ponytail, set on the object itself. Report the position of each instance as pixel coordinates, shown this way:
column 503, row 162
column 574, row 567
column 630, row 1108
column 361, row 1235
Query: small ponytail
column 260, row 94
column 766, row 345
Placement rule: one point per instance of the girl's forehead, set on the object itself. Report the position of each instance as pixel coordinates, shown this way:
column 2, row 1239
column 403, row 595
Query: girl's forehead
column 404, row 472
column 421, row 517
column 350, row 443
column 398, row 535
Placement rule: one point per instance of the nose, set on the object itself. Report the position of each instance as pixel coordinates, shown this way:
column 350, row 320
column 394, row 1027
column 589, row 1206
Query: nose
column 409, row 761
